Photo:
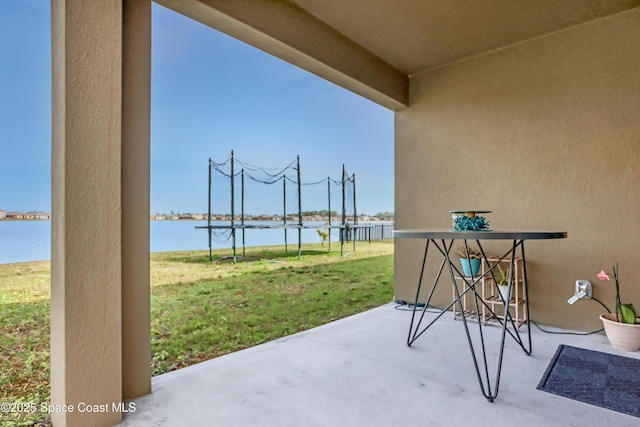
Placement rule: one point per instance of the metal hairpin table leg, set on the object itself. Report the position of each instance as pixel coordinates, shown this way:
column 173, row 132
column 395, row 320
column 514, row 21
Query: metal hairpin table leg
column 511, row 254
column 415, row 333
column 517, row 238
column 484, row 379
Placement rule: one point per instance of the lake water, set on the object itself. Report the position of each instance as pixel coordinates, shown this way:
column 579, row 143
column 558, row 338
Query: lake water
column 22, row 241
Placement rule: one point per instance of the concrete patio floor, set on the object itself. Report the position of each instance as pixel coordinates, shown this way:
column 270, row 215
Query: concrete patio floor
column 359, row 371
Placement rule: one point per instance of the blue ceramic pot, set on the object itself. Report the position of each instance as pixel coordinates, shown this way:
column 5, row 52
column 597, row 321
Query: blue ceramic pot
column 470, row 267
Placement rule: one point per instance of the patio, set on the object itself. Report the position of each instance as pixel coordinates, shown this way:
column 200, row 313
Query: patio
column 527, row 110
column 359, row 371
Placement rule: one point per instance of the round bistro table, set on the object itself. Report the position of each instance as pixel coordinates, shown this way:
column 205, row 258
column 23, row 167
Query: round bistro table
column 442, row 242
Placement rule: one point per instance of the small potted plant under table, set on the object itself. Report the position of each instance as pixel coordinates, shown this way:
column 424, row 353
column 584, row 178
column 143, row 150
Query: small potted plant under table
column 470, row 260
column 502, row 280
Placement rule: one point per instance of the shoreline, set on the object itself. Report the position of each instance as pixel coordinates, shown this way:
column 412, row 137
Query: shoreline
column 30, row 241
column 205, row 251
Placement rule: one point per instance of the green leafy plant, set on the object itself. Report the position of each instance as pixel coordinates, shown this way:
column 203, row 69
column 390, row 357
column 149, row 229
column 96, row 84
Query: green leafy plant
column 501, row 276
column 625, row 313
column 465, row 251
column 469, row 223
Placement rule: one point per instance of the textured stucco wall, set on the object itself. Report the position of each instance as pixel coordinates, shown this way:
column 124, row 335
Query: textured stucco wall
column 100, row 330
column 86, row 229
column 546, row 134
column 136, row 185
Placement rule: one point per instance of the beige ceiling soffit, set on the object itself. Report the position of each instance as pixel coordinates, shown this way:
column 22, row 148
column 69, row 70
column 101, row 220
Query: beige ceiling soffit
column 284, row 30
column 524, row 42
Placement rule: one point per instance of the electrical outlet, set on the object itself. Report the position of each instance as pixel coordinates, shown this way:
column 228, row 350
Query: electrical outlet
column 583, row 286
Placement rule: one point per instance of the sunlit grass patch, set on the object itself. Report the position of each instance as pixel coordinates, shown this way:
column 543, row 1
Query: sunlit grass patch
column 199, row 309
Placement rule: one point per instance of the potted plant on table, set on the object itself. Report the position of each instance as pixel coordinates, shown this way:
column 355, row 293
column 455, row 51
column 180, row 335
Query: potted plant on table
column 622, row 327
column 470, row 259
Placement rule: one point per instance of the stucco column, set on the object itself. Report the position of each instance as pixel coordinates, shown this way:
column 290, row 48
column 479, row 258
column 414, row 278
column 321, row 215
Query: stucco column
column 91, row 273
column 136, row 124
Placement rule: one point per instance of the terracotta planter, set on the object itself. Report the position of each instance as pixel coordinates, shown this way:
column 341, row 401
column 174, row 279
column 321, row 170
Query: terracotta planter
column 624, row 336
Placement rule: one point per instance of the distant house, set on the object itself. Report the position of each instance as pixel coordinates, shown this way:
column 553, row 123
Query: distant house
column 3, row 214
column 38, row 215
column 15, row 215
column 28, row 215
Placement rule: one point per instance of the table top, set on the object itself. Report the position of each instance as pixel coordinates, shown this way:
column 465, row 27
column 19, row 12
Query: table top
column 479, row 235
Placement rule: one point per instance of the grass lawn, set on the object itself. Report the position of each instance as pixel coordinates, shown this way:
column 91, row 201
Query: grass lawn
column 199, row 309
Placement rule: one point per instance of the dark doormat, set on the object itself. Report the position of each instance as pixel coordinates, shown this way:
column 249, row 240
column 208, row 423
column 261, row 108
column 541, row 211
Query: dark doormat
column 600, row 379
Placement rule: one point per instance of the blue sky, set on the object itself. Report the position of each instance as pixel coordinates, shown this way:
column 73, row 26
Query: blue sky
column 210, row 94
